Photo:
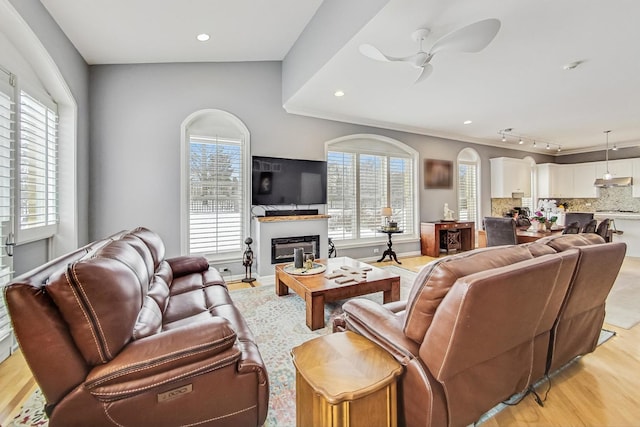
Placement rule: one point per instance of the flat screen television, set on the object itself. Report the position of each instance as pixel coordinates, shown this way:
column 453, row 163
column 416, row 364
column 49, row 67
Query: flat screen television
column 278, row 181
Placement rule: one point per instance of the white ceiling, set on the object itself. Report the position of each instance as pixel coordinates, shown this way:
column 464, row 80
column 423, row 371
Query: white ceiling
column 517, row 82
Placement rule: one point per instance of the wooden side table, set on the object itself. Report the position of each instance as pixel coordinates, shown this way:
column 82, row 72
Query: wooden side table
column 344, row 379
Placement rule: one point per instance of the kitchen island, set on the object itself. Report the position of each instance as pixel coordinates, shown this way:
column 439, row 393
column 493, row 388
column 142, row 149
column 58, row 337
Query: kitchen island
column 629, row 224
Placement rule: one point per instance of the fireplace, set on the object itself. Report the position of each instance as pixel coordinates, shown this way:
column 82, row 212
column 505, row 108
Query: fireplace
column 282, row 248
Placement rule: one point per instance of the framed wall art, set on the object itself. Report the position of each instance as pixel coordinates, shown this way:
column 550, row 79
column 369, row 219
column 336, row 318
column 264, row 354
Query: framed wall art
column 438, row 174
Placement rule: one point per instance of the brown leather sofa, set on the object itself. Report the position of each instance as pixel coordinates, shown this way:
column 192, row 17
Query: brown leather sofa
column 481, row 326
column 115, row 334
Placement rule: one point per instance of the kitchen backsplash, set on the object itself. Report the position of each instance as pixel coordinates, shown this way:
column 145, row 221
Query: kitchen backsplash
column 611, row 199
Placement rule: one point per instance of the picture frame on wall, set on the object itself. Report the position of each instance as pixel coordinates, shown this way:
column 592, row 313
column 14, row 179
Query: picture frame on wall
column 438, row 174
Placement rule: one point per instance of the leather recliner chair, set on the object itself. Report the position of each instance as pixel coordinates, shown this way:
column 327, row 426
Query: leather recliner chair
column 115, row 334
column 474, row 330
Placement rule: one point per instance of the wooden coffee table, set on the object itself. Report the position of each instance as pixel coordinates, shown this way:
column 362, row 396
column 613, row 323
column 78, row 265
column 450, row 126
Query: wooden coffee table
column 317, row 289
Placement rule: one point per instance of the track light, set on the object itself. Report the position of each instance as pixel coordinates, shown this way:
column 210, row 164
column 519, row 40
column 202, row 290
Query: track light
column 615, row 147
column 505, row 134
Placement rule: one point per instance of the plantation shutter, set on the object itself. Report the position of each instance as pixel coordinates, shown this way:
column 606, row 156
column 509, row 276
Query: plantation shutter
column 216, row 195
column 341, row 195
column 363, row 176
column 467, row 192
column 372, row 175
column 401, row 192
column 7, row 135
column 38, row 147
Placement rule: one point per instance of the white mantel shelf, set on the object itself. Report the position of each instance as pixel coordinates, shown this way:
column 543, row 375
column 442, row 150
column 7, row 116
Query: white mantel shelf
column 291, row 218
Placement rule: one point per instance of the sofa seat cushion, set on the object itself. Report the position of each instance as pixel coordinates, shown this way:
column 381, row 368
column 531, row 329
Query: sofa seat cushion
column 436, row 278
column 173, row 352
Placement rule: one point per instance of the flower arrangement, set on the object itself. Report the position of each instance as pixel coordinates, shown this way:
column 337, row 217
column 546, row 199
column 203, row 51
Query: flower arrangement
column 539, row 216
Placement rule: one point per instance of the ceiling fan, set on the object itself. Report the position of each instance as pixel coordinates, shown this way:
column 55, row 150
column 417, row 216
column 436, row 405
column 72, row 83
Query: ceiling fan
column 472, row 38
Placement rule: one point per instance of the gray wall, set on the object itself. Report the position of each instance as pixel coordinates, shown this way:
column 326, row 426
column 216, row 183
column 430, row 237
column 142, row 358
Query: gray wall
column 75, row 72
column 136, row 113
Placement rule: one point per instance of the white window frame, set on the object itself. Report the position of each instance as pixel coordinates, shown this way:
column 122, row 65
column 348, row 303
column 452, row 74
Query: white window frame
column 239, row 128
column 378, row 145
column 469, row 157
column 23, row 232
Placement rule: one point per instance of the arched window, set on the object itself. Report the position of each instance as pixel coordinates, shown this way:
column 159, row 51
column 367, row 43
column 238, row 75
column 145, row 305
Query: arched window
column 468, row 185
column 364, row 174
column 215, row 194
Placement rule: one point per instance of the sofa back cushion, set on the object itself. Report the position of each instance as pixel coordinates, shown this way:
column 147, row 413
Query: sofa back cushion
column 436, row 278
column 562, row 242
column 100, row 298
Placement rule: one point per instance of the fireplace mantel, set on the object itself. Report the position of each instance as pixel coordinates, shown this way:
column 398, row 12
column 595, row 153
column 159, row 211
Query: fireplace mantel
column 273, row 227
column 290, row 218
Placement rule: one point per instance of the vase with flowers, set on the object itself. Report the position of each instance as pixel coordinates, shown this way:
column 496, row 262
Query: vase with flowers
column 544, row 223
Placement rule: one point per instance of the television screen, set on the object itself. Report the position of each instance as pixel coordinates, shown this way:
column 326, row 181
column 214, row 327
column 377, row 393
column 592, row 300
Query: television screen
column 278, row 181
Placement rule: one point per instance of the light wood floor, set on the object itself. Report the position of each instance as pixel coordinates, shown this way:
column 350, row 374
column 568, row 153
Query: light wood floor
column 599, row 389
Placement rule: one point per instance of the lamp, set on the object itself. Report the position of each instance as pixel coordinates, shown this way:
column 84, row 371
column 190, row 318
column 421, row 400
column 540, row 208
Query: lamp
column 386, row 213
column 607, row 175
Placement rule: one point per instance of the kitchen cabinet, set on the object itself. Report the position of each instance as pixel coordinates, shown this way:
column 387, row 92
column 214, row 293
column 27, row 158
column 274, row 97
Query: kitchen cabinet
column 635, row 169
column 617, row 168
column 554, row 181
column 584, row 175
column 510, row 176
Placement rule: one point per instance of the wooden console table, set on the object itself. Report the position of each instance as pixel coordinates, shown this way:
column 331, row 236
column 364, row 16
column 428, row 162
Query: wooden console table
column 430, row 236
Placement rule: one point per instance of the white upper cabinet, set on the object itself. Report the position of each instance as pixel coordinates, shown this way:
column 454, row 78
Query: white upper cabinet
column 584, row 175
column 554, row 181
column 510, row 176
column 635, row 168
column 617, row 168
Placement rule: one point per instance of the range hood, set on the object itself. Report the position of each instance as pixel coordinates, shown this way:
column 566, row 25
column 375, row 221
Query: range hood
column 614, row 182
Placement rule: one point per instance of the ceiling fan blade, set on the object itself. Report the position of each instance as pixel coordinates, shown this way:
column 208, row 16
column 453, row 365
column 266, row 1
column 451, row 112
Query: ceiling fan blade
column 472, row 38
column 374, row 53
column 424, row 73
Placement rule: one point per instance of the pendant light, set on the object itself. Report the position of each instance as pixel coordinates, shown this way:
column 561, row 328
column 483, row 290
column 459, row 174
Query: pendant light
column 607, row 175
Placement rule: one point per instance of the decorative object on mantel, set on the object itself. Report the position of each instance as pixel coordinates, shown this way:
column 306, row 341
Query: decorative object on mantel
column 438, row 174
column 448, row 213
column 247, row 261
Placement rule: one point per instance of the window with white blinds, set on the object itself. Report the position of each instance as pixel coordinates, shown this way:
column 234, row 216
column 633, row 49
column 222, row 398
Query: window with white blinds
column 7, row 127
column 216, row 208
column 467, row 191
column 360, row 183
column 38, row 172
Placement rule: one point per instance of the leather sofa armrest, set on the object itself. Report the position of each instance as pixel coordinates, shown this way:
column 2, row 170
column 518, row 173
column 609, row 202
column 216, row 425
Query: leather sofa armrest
column 182, row 349
column 381, row 326
column 187, row 264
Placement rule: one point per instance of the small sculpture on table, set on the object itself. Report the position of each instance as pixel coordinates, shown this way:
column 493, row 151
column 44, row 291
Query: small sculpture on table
column 247, row 261
column 448, row 213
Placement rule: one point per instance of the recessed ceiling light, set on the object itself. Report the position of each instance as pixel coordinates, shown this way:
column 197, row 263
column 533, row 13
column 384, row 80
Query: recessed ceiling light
column 467, row 122
column 338, row 93
column 203, row 37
